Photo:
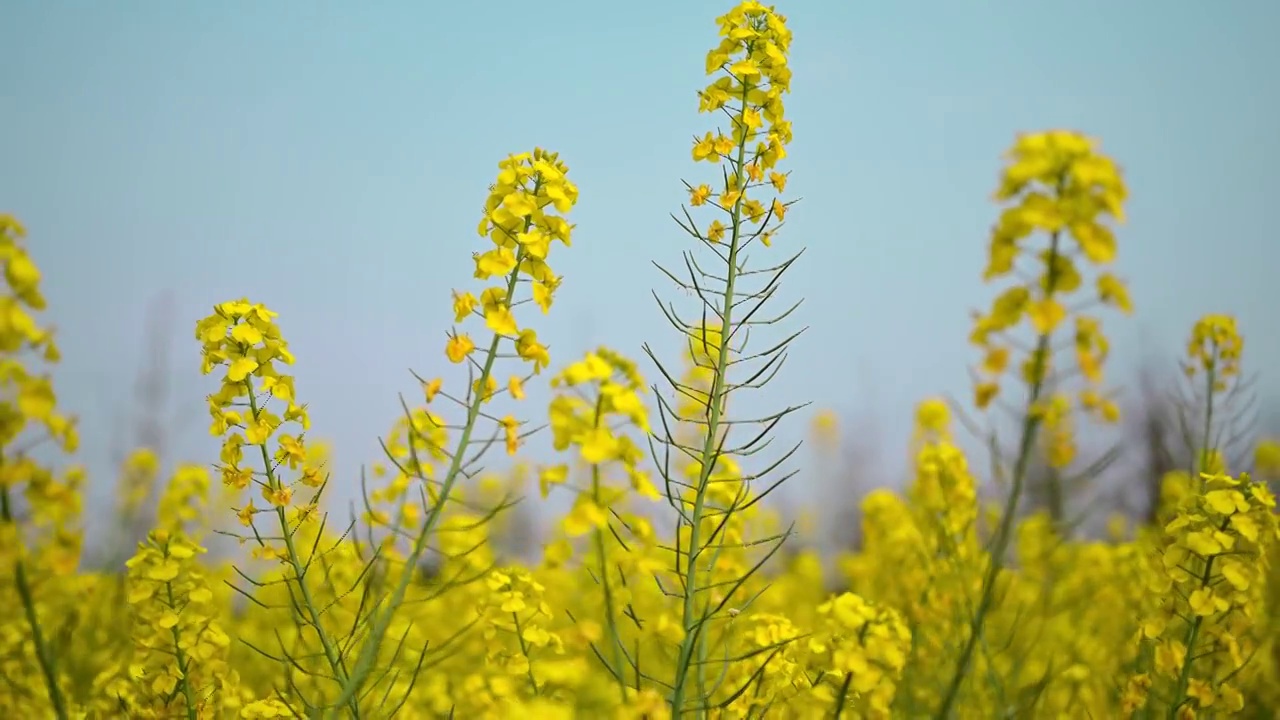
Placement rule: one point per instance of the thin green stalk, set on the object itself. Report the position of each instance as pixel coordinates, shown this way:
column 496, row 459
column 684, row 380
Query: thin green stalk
column 693, row 641
column 1057, row 500
column 1004, row 533
column 610, row 618
column 1211, row 378
column 615, row 639
column 382, row 617
column 43, row 656
column 838, row 709
column 331, row 653
column 184, row 664
column 524, row 650
column 1193, row 631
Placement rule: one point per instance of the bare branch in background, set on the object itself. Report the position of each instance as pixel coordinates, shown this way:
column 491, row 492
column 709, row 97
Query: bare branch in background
column 1155, row 423
column 854, row 470
column 1159, row 433
column 149, row 421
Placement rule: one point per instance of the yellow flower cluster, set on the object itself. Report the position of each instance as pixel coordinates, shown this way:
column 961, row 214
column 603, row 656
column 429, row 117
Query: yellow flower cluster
column 1206, row 585
column 180, row 647
column 944, row 486
column 752, row 55
column 244, row 339
column 603, row 396
column 1214, row 349
column 1214, row 352
column 516, row 620
column 520, row 218
column 1062, row 186
column 29, row 418
column 137, row 480
column 863, row 650
column 1266, row 460
column 28, row 412
column 922, row 553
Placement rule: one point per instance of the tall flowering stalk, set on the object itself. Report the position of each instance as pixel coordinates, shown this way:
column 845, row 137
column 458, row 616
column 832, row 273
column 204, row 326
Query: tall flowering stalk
column 600, row 397
column 243, row 341
column 1208, row 412
column 29, row 418
column 1059, row 185
column 945, row 496
column 1209, row 583
column 179, row 666
column 515, row 625
column 1214, row 353
column 1208, row 576
column 921, row 554
column 524, row 214
column 752, row 76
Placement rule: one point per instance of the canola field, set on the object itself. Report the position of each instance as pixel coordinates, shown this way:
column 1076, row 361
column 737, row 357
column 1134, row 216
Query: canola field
column 667, row 589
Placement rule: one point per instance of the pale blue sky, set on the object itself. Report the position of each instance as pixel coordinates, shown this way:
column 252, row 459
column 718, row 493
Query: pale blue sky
column 329, row 159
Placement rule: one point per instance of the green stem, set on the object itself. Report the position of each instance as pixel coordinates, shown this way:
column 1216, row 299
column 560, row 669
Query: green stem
column 1057, row 500
column 331, row 653
column 693, row 622
column 838, row 710
column 1211, row 377
column 184, row 663
column 524, row 650
column 43, row 655
column 382, row 616
column 1004, row 533
column 1193, row 632
column 615, row 638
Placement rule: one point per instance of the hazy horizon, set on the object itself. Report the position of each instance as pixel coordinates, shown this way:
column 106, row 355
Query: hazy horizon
column 331, row 162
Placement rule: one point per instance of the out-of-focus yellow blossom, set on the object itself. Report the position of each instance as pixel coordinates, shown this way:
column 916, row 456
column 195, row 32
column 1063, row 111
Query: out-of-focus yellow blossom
column 1057, row 184
column 1215, row 349
column 1207, row 587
